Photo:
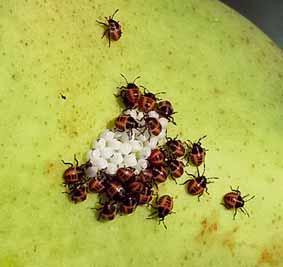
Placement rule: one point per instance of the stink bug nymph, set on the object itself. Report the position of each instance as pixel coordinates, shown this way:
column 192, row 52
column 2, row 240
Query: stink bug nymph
column 234, row 200
column 130, row 94
column 128, row 205
column 160, row 174
column 147, row 102
column 165, row 109
column 74, row 174
column 156, row 157
column 115, row 190
column 125, row 174
column 176, row 168
column 145, row 196
column 126, row 123
column 163, row 207
column 175, row 148
column 198, row 184
column 196, row 153
column 113, row 28
column 96, row 185
column 78, row 194
column 153, row 126
column 107, row 211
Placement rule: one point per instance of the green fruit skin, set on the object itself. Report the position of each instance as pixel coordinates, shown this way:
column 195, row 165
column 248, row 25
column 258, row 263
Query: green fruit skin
column 224, row 78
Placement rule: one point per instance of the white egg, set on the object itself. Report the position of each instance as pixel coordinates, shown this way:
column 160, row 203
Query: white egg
column 124, row 137
column 127, row 112
column 106, row 152
column 101, row 163
column 153, row 142
column 163, row 122
column 100, row 143
column 141, row 137
column 162, row 135
column 125, row 148
column 95, row 154
column 132, row 112
column 153, row 114
column 108, row 135
column 135, row 134
column 114, row 144
column 112, row 168
column 145, row 152
column 116, row 159
column 130, row 160
column 91, row 171
column 147, row 134
column 132, row 135
column 117, row 135
column 142, row 164
column 140, row 115
column 137, row 170
column 136, row 145
column 121, row 165
column 141, row 123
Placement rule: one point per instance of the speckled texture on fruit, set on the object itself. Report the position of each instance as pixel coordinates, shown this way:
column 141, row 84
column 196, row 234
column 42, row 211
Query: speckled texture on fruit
column 223, row 77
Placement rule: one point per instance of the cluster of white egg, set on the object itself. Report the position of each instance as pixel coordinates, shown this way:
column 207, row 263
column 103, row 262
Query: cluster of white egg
column 115, row 149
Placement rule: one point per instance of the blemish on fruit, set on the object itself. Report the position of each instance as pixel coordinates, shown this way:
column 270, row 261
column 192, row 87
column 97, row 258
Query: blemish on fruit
column 52, row 167
column 63, row 96
column 209, row 226
column 266, row 257
column 230, row 244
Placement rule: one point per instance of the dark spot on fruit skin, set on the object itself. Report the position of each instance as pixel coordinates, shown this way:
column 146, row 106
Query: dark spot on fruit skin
column 63, row 96
column 230, row 244
column 53, row 168
column 211, row 234
column 266, row 257
column 209, row 226
column 276, row 219
column 228, row 240
column 271, row 255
